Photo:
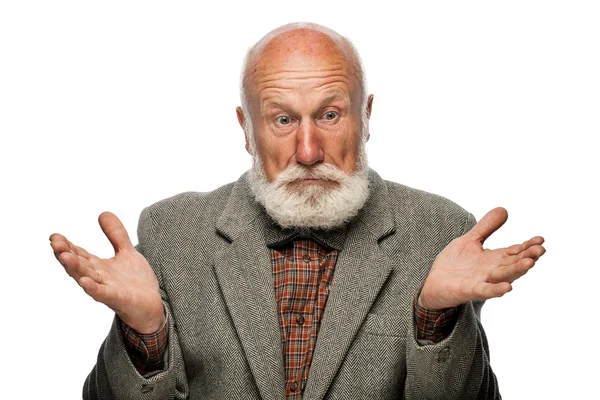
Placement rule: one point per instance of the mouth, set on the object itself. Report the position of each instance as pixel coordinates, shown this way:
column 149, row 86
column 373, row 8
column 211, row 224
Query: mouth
column 313, row 181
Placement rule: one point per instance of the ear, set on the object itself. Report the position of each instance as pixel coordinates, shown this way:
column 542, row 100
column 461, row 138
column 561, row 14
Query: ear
column 242, row 121
column 369, row 109
column 369, row 105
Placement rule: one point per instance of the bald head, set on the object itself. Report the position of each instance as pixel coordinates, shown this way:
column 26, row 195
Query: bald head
column 295, row 46
column 304, row 103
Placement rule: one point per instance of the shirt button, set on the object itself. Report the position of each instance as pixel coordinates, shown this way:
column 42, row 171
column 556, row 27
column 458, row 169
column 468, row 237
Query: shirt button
column 306, row 258
column 294, row 386
column 300, row 319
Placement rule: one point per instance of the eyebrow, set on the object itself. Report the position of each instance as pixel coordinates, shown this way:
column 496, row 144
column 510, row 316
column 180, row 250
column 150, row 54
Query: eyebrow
column 273, row 104
column 269, row 104
column 333, row 97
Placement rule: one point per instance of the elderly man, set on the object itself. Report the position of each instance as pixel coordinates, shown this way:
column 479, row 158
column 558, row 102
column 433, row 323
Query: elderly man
column 310, row 277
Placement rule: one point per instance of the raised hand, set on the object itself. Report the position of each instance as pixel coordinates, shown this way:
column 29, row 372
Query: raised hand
column 465, row 271
column 125, row 282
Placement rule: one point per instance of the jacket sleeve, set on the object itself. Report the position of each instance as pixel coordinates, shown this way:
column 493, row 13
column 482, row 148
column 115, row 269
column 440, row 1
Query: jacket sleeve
column 114, row 376
column 457, row 367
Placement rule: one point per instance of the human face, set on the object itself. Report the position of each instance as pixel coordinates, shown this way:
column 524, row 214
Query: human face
column 305, row 109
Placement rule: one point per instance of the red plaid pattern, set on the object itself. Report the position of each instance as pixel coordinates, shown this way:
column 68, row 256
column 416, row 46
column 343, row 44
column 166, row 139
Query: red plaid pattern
column 434, row 325
column 302, row 274
column 146, row 351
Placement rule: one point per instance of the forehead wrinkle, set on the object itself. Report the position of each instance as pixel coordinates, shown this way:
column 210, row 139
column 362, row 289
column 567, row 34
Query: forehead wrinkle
column 273, row 94
column 299, row 70
column 291, row 84
column 287, row 73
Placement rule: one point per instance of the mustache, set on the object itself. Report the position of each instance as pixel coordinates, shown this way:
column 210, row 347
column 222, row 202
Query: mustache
column 298, row 172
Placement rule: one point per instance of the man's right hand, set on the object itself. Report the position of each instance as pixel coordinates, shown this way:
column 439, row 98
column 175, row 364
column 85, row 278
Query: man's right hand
column 125, row 282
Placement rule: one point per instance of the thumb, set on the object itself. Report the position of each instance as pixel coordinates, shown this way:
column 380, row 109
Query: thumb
column 489, row 224
column 115, row 231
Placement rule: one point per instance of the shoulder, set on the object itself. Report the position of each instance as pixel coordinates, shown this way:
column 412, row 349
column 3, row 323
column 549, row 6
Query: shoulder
column 192, row 203
column 426, row 210
column 184, row 212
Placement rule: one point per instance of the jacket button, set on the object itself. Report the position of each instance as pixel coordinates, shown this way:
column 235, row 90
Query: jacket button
column 444, row 354
column 147, row 388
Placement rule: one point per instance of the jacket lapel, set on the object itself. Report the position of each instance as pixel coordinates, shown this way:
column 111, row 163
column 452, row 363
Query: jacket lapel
column 244, row 273
column 361, row 270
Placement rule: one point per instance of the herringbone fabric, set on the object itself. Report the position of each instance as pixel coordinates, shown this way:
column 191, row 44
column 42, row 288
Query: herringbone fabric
column 210, row 254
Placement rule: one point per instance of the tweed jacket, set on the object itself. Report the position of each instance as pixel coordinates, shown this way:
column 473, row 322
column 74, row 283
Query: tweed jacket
column 209, row 252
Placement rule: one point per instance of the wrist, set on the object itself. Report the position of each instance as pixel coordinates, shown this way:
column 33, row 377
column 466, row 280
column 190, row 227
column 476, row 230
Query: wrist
column 151, row 327
column 147, row 324
column 430, row 299
column 423, row 301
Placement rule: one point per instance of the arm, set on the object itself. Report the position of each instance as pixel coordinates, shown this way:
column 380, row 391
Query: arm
column 457, row 367
column 463, row 276
column 115, row 376
column 127, row 284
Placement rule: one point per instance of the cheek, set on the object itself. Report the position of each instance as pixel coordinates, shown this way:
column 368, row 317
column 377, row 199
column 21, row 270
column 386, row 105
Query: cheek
column 275, row 153
column 343, row 147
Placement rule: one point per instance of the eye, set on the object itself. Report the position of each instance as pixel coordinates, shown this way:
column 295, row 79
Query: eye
column 284, row 120
column 330, row 115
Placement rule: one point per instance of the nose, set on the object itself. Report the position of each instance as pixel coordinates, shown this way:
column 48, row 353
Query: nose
column 308, row 147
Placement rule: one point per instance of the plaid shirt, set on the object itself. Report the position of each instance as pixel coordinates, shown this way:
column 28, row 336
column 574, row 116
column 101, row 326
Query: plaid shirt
column 146, row 351
column 302, row 274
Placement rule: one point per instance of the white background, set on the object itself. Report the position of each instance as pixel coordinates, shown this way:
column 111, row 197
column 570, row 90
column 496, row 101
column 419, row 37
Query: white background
column 114, row 105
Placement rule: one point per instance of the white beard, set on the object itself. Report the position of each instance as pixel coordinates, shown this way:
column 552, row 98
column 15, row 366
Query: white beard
column 312, row 206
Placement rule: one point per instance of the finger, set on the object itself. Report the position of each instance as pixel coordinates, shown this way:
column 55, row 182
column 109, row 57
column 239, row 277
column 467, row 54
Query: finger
column 59, row 246
column 484, row 291
column 115, row 231
column 80, row 251
column 70, row 263
column 540, row 253
column 99, row 292
column 57, row 237
column 59, row 241
column 534, row 252
column 94, row 289
column 78, row 267
column 517, row 248
column 511, row 273
column 489, row 224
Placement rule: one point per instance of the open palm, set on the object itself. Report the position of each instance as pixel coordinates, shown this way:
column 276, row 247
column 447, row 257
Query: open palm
column 125, row 282
column 465, row 271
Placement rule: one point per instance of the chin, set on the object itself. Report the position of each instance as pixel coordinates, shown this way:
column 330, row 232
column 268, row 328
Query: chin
column 293, row 201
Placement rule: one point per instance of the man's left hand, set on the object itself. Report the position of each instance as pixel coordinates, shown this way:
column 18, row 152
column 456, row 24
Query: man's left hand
column 465, row 271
